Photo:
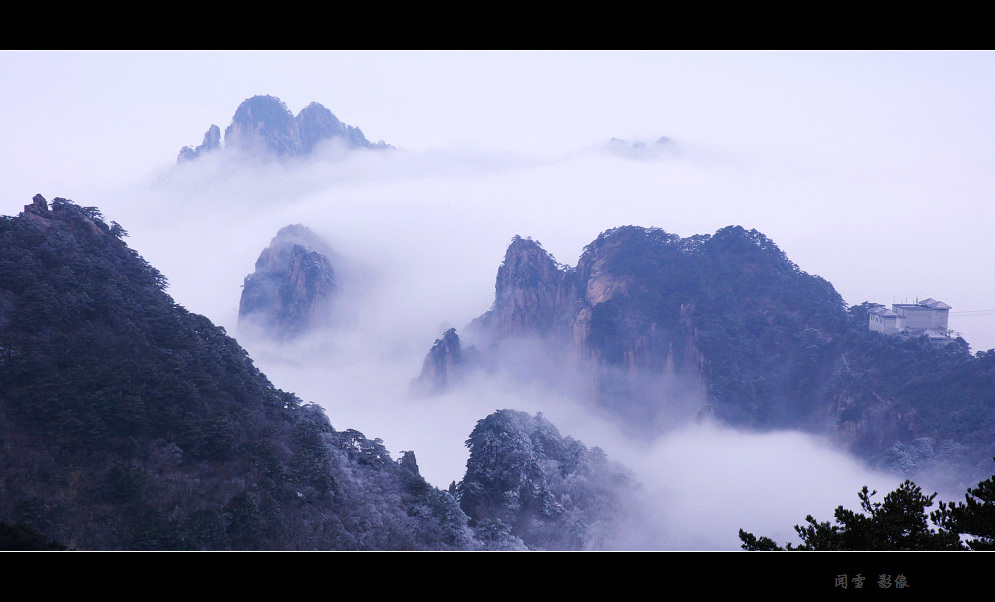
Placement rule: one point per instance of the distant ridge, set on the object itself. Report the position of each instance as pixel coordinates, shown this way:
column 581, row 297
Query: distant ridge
column 264, row 124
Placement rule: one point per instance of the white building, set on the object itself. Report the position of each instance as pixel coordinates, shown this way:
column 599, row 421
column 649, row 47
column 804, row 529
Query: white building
column 927, row 314
column 928, row 317
column 882, row 319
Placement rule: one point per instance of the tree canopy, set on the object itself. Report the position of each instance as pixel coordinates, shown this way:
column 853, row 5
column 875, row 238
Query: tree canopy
column 975, row 517
column 900, row 522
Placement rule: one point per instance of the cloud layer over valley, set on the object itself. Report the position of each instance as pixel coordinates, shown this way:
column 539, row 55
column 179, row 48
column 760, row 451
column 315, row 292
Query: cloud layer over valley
column 419, row 238
column 852, row 163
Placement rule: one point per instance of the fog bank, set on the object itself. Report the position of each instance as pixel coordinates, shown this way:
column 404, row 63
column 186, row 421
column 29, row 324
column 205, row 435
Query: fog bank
column 418, row 238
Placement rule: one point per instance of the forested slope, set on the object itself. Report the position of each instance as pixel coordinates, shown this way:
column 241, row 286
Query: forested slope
column 127, row 422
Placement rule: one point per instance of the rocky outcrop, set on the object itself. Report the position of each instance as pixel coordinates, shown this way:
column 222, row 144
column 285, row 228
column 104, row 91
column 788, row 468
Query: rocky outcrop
column 552, row 492
column 316, row 124
column 38, row 212
column 532, row 295
column 263, row 123
column 291, row 290
column 212, row 141
column 446, row 363
column 264, row 126
column 868, row 426
column 408, row 462
column 658, row 325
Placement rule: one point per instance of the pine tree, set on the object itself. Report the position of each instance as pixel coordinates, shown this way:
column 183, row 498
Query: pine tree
column 899, row 523
column 975, row 516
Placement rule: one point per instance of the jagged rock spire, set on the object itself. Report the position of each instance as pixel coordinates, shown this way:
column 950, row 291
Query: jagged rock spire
column 445, row 363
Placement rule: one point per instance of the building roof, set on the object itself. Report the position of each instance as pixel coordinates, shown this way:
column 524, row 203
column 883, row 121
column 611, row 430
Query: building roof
column 934, row 304
column 931, row 333
column 930, row 303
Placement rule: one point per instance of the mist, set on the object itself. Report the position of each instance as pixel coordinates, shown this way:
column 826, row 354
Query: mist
column 417, row 239
column 873, row 171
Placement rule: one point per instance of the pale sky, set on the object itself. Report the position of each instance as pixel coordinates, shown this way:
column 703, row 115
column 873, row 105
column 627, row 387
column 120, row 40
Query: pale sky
column 873, row 170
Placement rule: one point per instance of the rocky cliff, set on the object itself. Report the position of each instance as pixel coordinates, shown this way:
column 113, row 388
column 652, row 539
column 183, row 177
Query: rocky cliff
column 291, row 290
column 662, row 326
column 658, row 327
column 212, row 141
column 532, row 294
column 264, row 126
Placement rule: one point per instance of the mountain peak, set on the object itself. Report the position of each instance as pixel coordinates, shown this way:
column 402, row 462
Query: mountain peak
column 264, row 125
column 522, row 302
column 290, row 290
column 656, row 321
column 264, row 122
column 445, row 363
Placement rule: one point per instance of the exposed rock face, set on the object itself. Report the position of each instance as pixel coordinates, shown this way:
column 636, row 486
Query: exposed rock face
column 660, row 326
column 263, row 125
column 38, row 212
column 409, row 463
column 291, row 290
column 652, row 326
column 445, row 363
column 38, row 205
column 531, row 292
column 212, row 141
column 869, row 425
column 316, row 123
